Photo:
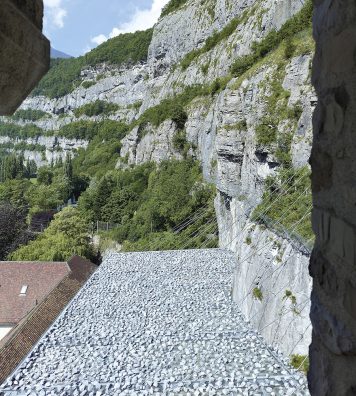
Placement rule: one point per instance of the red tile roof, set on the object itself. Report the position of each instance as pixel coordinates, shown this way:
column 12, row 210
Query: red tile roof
column 19, row 342
column 41, row 279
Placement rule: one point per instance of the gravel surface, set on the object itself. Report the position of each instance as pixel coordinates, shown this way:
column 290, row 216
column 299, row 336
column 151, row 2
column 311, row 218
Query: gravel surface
column 155, row 323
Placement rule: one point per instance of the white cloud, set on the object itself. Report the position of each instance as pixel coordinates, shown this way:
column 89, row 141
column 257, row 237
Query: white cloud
column 99, row 39
column 54, row 13
column 141, row 20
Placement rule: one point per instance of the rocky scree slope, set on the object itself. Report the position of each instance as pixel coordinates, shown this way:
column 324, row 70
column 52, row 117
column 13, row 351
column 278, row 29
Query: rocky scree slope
column 149, row 323
column 207, row 90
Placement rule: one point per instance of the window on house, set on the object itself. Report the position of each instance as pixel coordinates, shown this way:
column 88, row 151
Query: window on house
column 23, row 290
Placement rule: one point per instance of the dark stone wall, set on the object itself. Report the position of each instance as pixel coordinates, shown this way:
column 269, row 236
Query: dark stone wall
column 333, row 160
column 33, row 9
column 25, row 52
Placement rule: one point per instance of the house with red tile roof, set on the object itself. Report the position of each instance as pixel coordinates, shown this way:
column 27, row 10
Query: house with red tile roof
column 32, row 296
column 23, row 285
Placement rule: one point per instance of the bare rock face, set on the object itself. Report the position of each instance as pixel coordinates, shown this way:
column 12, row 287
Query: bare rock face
column 25, row 51
column 150, row 144
column 333, row 313
column 181, row 32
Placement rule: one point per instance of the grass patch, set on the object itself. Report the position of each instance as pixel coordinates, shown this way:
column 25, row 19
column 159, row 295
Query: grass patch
column 300, row 362
column 257, row 294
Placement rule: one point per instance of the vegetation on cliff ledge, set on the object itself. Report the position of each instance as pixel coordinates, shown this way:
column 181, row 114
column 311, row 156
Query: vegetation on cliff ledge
column 29, row 115
column 99, row 107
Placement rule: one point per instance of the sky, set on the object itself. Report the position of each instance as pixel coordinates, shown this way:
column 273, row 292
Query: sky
column 76, row 26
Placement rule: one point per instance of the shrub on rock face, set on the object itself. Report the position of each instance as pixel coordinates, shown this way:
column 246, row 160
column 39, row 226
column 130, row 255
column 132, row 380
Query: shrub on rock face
column 168, row 109
column 266, row 133
column 88, row 84
column 289, row 48
column 180, row 142
column 257, row 293
column 29, row 114
column 179, row 116
column 300, row 362
column 242, row 64
column 22, row 132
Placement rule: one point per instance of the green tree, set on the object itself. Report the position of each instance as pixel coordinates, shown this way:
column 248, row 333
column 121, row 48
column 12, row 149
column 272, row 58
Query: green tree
column 15, row 192
column 12, row 167
column 66, row 236
column 45, row 175
column 43, row 197
column 31, row 169
column 68, row 167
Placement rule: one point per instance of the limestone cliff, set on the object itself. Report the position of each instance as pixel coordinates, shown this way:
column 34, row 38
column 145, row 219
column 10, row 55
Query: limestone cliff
column 221, row 130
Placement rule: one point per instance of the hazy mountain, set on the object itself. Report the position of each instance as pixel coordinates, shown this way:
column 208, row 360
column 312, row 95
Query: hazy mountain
column 59, row 54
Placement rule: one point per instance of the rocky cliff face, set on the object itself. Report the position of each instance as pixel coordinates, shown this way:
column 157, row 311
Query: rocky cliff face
column 221, row 132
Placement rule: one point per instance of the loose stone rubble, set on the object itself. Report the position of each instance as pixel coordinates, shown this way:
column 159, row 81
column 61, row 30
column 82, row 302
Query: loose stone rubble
column 155, row 323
